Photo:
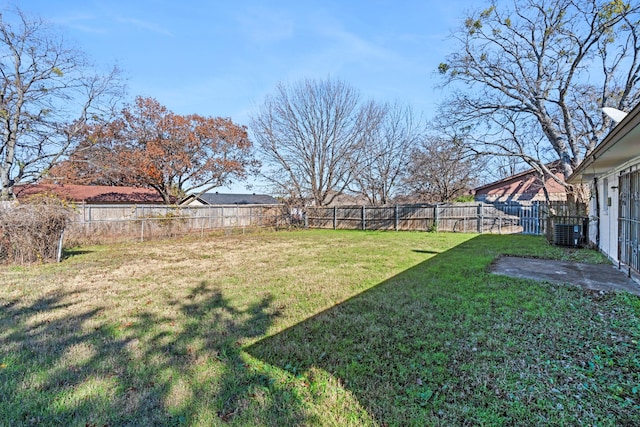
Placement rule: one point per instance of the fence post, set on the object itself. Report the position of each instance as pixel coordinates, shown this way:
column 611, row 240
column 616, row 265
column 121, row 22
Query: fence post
column 435, row 219
column 480, row 218
column 364, row 221
column 142, row 230
column 60, row 245
column 396, row 217
column 335, row 217
column 85, row 207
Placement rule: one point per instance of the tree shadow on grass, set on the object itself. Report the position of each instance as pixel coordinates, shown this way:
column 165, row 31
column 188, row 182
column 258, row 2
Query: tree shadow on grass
column 62, row 364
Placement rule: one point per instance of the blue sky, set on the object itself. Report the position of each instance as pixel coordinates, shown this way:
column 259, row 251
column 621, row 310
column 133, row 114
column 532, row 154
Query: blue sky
column 220, row 58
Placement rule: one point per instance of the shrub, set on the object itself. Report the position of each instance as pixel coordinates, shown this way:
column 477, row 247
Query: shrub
column 31, row 231
column 466, row 198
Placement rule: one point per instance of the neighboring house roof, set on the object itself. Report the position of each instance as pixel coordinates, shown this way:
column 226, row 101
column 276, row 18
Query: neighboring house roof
column 92, row 194
column 522, row 186
column 617, row 148
column 343, row 199
column 233, row 199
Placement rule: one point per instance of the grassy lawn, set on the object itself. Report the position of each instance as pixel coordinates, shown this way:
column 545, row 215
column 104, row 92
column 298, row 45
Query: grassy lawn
column 313, row 328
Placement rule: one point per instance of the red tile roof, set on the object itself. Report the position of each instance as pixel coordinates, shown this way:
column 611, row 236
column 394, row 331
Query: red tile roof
column 92, row 194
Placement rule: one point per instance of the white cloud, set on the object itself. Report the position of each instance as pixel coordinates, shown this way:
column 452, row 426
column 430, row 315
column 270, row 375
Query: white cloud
column 83, row 22
column 356, row 47
column 92, row 23
column 144, row 25
column 265, row 25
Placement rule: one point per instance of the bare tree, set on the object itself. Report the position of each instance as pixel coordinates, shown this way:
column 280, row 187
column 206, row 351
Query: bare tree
column 501, row 167
column 441, row 170
column 47, row 96
column 535, row 76
column 310, row 134
column 386, row 153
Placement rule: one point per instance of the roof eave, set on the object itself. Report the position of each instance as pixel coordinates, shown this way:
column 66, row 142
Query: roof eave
column 617, row 146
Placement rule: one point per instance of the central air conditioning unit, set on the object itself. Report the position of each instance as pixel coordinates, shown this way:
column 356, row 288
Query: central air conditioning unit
column 567, row 235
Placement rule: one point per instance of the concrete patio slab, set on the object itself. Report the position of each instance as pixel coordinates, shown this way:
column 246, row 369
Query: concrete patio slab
column 598, row 277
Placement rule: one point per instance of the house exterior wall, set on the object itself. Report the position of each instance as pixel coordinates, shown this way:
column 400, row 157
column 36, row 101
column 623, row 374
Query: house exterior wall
column 614, row 167
column 607, row 215
column 505, row 196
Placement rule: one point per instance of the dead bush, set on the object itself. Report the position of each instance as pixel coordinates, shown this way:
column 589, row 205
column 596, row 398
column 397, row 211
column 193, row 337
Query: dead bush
column 30, row 232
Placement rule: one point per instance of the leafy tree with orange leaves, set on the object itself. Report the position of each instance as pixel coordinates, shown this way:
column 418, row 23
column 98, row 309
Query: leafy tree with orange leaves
column 149, row 146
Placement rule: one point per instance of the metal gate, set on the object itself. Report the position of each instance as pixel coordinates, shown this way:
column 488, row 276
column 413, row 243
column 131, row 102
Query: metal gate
column 629, row 220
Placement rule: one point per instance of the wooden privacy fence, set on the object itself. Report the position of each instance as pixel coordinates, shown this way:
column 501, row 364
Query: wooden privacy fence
column 501, row 218
column 145, row 222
